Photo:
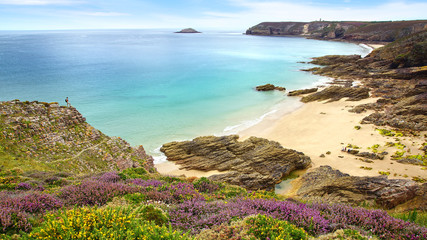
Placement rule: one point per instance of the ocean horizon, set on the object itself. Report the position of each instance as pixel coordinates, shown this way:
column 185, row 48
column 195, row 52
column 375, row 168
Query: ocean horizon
column 155, row 86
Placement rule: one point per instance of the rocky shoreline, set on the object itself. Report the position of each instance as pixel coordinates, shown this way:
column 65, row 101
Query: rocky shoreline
column 254, row 163
column 395, row 77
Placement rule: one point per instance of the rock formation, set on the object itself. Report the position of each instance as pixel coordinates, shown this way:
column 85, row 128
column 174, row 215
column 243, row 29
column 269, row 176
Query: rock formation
column 328, row 185
column 255, row 163
column 335, row 93
column 396, row 73
column 302, row 92
column 349, row 31
column 46, row 136
column 269, row 87
column 188, row 30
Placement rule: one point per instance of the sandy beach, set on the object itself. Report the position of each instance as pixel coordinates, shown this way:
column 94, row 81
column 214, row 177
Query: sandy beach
column 317, row 128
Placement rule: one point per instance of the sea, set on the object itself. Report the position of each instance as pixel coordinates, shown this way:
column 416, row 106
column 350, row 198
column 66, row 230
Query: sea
column 151, row 87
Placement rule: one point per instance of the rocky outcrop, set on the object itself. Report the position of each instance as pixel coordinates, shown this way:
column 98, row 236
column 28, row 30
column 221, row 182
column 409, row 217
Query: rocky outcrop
column 395, row 73
column 302, row 92
column 255, row 163
column 335, row 93
column 408, row 113
column 50, row 137
column 188, row 30
column 328, row 185
column 269, row 87
column 349, row 31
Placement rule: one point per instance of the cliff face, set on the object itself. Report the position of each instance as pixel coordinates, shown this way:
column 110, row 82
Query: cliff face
column 48, row 137
column 350, row 31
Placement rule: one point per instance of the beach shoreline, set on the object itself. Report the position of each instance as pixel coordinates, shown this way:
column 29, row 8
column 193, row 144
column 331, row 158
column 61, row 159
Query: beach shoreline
column 317, row 128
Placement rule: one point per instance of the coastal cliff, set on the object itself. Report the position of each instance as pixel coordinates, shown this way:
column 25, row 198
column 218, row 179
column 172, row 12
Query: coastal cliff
column 349, row 31
column 48, row 137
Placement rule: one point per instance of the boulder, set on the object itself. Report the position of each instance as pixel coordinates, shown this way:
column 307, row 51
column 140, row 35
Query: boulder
column 328, row 185
column 269, row 87
column 255, row 163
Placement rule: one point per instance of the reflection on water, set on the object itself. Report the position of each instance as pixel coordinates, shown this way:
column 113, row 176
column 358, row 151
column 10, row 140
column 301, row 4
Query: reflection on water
column 285, row 186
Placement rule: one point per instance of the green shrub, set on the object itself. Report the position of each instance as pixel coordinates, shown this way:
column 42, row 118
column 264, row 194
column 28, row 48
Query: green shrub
column 135, row 198
column 132, row 173
column 152, row 214
column 414, row 216
column 264, row 227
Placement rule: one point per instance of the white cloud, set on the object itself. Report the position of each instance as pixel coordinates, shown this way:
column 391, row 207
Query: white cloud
column 39, row 2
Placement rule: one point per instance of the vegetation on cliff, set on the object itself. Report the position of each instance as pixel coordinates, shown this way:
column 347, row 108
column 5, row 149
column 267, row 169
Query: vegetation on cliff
column 38, row 136
column 349, row 31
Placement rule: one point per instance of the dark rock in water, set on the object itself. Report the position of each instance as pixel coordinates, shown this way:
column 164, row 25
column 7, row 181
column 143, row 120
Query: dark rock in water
column 269, row 87
column 328, row 185
column 255, row 163
column 302, row 91
column 335, row 93
column 188, row 30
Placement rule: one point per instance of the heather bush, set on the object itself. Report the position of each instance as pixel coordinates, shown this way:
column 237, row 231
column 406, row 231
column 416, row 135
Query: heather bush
column 23, row 186
column 109, row 177
column 109, row 223
column 197, row 215
column 94, row 192
column 33, row 202
column 12, row 220
column 264, row 227
column 377, row 222
column 204, row 185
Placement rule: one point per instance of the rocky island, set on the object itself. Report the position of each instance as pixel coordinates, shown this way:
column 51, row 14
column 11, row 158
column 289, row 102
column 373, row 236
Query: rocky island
column 188, row 30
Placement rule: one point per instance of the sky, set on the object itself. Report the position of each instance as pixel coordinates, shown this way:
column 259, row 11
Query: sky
column 202, row 15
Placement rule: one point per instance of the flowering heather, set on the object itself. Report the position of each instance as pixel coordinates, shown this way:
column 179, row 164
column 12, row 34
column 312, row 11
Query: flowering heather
column 197, row 215
column 109, row 177
column 94, row 192
column 32, row 203
column 13, row 220
column 23, row 186
column 377, row 222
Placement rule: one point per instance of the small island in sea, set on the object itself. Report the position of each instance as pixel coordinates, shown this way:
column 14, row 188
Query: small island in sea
column 188, row 30
column 354, row 154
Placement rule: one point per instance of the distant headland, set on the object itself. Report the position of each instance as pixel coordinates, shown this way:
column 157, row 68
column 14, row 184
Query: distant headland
column 387, row 31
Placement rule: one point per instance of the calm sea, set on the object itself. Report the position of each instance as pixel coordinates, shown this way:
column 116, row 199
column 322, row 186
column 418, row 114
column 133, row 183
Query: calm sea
column 154, row 86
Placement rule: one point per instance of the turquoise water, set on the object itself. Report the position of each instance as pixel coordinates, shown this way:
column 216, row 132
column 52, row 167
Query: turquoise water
column 153, row 86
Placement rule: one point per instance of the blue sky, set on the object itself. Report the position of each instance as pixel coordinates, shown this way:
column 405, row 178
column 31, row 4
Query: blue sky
column 200, row 14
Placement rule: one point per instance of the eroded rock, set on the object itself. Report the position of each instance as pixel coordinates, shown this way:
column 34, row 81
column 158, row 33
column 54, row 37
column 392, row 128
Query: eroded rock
column 335, row 93
column 328, row 185
column 255, row 163
column 302, row 91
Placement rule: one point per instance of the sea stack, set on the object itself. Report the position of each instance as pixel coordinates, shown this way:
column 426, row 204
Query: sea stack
column 188, row 30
